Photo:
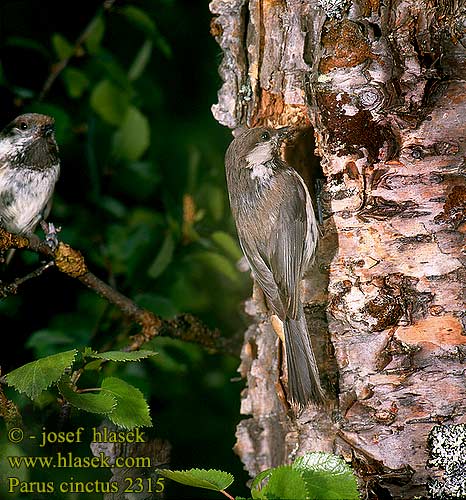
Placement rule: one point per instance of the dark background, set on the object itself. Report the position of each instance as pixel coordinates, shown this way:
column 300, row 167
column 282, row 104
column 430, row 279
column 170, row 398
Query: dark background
column 122, row 207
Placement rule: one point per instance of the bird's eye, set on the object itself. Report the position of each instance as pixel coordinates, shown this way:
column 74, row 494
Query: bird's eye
column 23, row 126
column 265, row 136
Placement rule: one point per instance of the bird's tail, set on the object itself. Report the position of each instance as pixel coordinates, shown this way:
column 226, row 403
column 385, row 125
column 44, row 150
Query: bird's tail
column 303, row 373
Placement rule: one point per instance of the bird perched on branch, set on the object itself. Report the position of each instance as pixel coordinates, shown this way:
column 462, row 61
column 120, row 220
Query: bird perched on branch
column 29, row 169
column 278, row 233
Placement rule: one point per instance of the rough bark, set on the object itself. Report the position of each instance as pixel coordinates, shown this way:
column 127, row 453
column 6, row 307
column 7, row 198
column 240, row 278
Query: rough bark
column 382, row 85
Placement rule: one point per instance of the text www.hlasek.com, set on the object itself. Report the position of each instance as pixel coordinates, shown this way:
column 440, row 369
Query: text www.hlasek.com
column 71, row 485
column 65, row 460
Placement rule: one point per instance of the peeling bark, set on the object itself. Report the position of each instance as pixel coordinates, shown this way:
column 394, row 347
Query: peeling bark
column 383, row 88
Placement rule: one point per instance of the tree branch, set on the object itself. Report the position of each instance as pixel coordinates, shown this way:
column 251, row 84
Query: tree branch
column 71, row 262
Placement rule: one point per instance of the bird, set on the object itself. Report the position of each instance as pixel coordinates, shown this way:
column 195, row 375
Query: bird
column 29, row 169
column 278, row 234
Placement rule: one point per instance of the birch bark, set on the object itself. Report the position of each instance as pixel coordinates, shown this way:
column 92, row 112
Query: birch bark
column 378, row 91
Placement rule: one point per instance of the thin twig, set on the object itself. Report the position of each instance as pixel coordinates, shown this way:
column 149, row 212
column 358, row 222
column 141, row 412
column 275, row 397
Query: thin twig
column 11, row 288
column 71, row 262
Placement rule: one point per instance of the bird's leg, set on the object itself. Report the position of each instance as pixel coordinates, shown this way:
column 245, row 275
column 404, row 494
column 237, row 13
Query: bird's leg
column 261, row 303
column 50, row 232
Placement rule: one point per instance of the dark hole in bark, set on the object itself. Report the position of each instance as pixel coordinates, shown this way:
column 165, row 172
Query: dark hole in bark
column 377, row 492
column 299, row 153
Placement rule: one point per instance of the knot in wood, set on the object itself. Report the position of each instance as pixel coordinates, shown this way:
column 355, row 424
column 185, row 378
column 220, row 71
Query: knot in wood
column 70, row 261
column 370, row 98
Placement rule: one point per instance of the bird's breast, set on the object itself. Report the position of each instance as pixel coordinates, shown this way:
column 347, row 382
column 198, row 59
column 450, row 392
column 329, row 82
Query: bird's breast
column 24, row 193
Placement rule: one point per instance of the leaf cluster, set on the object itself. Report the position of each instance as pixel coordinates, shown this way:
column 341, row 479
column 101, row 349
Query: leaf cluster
column 122, row 403
column 317, row 476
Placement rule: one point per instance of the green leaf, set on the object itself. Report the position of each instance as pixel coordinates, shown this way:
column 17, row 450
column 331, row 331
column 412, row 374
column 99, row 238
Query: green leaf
column 23, row 92
column 45, row 342
column 22, row 472
column 110, row 102
column 102, row 402
column 76, row 82
column 113, row 206
column 132, row 139
column 284, row 483
column 163, row 258
column 140, row 61
column 132, row 409
column 211, row 479
column 139, row 18
column 219, row 264
column 256, row 482
column 35, row 377
column 228, row 244
column 109, row 65
column 216, row 201
column 162, row 306
column 328, row 476
column 123, row 356
column 27, row 43
column 95, row 34
column 94, row 365
column 62, row 46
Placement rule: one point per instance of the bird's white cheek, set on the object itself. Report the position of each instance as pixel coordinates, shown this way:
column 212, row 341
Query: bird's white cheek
column 258, row 161
column 261, row 154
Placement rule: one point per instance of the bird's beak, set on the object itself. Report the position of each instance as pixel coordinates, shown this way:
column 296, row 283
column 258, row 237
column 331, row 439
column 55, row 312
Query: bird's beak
column 48, row 130
column 284, row 133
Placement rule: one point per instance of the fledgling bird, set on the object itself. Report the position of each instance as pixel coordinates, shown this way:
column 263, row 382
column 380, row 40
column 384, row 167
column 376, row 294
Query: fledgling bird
column 278, row 233
column 29, row 169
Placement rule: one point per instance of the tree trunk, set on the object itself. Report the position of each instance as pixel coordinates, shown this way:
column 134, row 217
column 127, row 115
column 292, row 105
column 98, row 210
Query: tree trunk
column 381, row 87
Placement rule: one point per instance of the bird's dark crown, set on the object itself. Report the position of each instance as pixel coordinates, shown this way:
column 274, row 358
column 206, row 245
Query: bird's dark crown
column 30, row 123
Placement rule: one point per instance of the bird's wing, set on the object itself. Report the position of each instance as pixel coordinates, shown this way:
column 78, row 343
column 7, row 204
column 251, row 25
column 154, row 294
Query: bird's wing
column 278, row 261
column 262, row 272
column 6, row 199
column 286, row 247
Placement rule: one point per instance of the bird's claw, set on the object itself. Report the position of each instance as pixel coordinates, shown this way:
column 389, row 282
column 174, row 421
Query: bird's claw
column 50, row 232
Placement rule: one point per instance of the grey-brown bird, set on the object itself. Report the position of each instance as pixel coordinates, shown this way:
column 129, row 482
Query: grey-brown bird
column 278, row 233
column 29, row 169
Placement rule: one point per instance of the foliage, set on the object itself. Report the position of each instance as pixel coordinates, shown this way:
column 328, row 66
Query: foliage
column 122, row 403
column 142, row 195
column 320, row 476
column 200, row 478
